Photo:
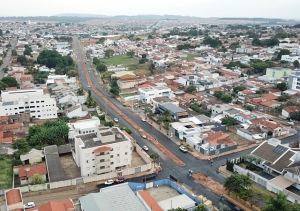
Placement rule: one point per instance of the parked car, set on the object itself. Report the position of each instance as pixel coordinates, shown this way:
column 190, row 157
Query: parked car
column 145, row 148
column 29, row 205
column 144, row 120
column 143, row 136
column 120, row 179
column 109, row 182
column 116, row 119
column 183, row 149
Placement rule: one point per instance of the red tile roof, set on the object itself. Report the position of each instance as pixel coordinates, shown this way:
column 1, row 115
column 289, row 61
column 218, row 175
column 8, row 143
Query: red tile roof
column 13, row 196
column 216, row 138
column 150, row 201
column 5, row 127
column 64, row 205
column 103, row 149
column 292, row 109
column 29, row 170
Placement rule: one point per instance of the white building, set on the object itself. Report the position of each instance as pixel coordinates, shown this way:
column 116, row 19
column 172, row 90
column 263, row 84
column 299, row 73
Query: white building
column 290, row 58
column 83, row 126
column 52, row 79
column 294, row 80
column 33, row 101
column 146, row 94
column 106, row 150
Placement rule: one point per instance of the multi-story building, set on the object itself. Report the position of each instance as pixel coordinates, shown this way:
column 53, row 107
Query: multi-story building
column 278, row 72
column 294, row 80
column 146, row 94
column 106, row 150
column 33, row 101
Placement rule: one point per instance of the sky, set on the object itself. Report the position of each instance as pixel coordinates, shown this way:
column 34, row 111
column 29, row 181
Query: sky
column 287, row 9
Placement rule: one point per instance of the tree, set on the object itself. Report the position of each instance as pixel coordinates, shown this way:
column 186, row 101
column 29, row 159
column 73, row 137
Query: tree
column 130, row 54
column 37, row 179
column 282, row 86
column 151, row 68
column 1, row 62
column 283, row 52
column 115, row 91
column 256, row 42
column 296, row 64
column 277, row 203
column 223, row 207
column 1, row 33
column 22, row 60
column 52, row 59
column 144, row 56
column 101, row 67
column 226, row 98
column 237, row 183
column 218, row 94
column 295, row 115
column 109, row 53
column 101, row 40
column 154, row 156
column 3, row 86
column 214, row 43
column 239, row 88
column 150, row 36
column 14, row 52
column 200, row 207
column 142, row 61
column 191, row 89
column 10, row 81
column 27, row 52
column 283, row 98
column 80, row 92
column 229, row 121
column 22, row 146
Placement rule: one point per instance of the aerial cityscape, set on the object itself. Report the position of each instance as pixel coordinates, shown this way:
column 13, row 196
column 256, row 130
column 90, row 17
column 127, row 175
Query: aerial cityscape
column 150, row 106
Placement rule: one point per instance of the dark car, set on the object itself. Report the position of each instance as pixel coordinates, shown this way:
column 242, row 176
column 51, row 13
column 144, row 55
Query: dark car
column 120, row 179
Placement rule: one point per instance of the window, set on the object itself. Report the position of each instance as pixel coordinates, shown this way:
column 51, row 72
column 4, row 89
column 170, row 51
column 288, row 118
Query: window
column 32, row 102
column 16, row 108
column 21, row 107
column 93, row 159
column 93, row 166
column 126, row 159
column 101, row 153
column 111, row 156
column 42, row 101
column 26, row 107
column 102, row 160
column 87, row 161
column 118, row 155
column 102, row 167
column 125, row 153
column 111, row 163
column 26, row 102
column 37, row 101
column 32, row 106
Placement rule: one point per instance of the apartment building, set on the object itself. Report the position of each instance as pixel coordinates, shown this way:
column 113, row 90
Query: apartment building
column 294, row 80
column 33, row 101
column 106, row 150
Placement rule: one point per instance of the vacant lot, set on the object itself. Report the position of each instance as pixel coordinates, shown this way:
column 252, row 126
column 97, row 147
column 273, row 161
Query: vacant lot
column 69, row 166
column 162, row 192
column 239, row 139
column 6, row 173
column 137, row 160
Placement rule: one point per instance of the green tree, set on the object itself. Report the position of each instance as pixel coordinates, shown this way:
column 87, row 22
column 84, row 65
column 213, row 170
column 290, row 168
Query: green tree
column 101, row 67
column 191, row 89
column 144, row 56
column 239, row 88
column 1, row 33
column 214, row 43
column 22, row 60
column 295, row 115
column 115, row 91
column 80, row 92
column 22, row 146
column 109, row 53
column 226, row 98
column 1, row 62
column 96, row 61
column 282, row 86
column 27, row 52
column 283, row 98
column 14, row 52
column 37, row 179
column 52, row 59
column 3, row 86
column 223, row 207
column 237, row 183
column 151, row 68
column 218, row 94
column 296, row 64
column 109, row 124
column 130, row 54
column 279, row 202
column 154, row 156
column 200, row 207
column 10, row 81
column 142, row 61
column 229, row 121
column 283, row 52
column 150, row 36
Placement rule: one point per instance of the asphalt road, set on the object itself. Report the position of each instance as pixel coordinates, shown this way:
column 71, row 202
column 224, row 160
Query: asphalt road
column 169, row 167
column 7, row 59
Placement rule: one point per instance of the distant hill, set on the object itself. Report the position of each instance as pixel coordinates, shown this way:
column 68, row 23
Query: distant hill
column 82, row 15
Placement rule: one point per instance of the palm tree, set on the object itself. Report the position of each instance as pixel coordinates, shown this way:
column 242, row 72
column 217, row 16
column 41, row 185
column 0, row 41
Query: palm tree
column 278, row 203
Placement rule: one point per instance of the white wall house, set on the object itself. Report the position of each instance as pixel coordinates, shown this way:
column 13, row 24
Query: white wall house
column 33, row 101
column 106, row 150
column 83, row 126
column 146, row 94
column 64, row 78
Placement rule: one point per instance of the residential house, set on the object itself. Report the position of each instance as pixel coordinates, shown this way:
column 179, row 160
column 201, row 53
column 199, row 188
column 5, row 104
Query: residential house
column 63, row 205
column 26, row 172
column 245, row 116
column 146, row 94
column 14, row 200
column 265, row 102
column 106, row 150
column 32, row 157
column 128, row 81
column 159, row 100
column 243, row 95
column 8, row 130
column 287, row 111
column 218, row 108
column 175, row 111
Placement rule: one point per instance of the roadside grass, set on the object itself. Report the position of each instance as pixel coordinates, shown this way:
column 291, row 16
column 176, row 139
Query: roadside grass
column 6, row 173
column 190, row 57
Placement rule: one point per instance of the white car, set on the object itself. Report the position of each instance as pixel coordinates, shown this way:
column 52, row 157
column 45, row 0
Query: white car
column 183, row 149
column 109, row 182
column 144, row 120
column 29, row 205
column 89, row 86
column 145, row 148
column 143, row 136
column 116, row 119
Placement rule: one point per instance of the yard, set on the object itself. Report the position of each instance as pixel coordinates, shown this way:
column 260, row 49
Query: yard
column 238, row 139
column 6, row 173
column 190, row 57
column 131, row 63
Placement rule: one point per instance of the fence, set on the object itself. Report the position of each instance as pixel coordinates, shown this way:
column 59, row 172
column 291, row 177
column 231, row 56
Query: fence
column 25, row 189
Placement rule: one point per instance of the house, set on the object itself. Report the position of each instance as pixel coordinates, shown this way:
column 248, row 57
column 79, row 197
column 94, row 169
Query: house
column 130, row 81
column 32, row 157
column 146, row 94
column 83, row 126
column 175, row 111
column 63, row 205
column 26, row 172
column 287, row 111
column 105, row 150
column 278, row 166
column 213, row 143
column 34, row 101
column 243, row 95
column 278, row 72
column 219, row 108
column 245, row 116
column 159, row 100
column 14, row 200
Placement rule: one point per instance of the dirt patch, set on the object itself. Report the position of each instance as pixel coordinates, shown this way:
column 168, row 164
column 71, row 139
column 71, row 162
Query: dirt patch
column 162, row 192
column 209, row 183
column 136, row 160
column 239, row 139
column 69, row 166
